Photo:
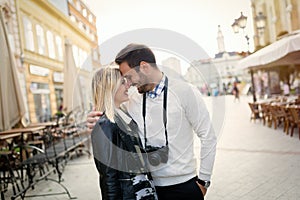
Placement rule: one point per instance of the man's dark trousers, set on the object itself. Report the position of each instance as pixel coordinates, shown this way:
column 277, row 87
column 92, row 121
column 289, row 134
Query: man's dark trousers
column 188, row 190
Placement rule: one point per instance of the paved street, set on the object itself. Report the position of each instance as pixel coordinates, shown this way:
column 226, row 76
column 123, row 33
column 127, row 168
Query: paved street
column 253, row 162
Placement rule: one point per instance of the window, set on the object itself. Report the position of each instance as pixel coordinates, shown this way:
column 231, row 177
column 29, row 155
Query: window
column 28, row 34
column 90, row 18
column 41, row 96
column 40, row 39
column 73, row 19
column 95, row 55
column 59, row 48
column 50, row 42
column 84, row 12
column 80, row 25
column 87, row 30
column 78, row 6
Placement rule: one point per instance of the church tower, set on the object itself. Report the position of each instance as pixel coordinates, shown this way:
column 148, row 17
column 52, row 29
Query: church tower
column 220, row 39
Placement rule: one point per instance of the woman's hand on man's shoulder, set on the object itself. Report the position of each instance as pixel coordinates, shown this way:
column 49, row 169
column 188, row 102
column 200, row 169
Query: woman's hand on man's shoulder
column 92, row 118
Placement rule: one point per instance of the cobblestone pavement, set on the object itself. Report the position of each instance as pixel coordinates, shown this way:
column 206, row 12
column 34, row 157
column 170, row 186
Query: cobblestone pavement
column 252, row 162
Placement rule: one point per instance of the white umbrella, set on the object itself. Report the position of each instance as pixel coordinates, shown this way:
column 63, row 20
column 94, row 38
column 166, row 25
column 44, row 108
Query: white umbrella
column 11, row 101
column 72, row 94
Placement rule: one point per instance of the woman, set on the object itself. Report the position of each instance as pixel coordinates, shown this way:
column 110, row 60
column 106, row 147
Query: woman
column 116, row 145
column 236, row 92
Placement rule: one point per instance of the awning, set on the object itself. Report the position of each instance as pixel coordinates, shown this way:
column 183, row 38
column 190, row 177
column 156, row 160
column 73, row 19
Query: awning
column 285, row 51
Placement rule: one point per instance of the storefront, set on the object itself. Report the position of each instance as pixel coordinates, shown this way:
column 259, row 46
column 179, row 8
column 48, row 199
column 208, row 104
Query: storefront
column 274, row 66
column 44, row 92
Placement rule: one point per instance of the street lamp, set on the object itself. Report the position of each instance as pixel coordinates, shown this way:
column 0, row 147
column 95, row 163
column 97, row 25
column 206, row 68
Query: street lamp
column 241, row 23
column 260, row 20
column 235, row 26
column 242, row 20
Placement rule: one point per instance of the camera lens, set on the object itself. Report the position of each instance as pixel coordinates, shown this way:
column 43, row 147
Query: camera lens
column 154, row 159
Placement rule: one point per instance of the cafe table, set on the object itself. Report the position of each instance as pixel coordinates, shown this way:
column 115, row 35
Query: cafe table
column 9, row 136
column 21, row 132
column 46, row 124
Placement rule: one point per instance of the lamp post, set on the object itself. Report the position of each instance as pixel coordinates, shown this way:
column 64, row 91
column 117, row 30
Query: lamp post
column 238, row 24
column 260, row 21
column 241, row 23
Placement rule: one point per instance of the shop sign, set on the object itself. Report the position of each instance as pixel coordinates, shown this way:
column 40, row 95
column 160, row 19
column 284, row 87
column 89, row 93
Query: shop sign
column 39, row 71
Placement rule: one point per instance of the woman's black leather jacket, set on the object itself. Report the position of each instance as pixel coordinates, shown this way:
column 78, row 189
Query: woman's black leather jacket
column 115, row 158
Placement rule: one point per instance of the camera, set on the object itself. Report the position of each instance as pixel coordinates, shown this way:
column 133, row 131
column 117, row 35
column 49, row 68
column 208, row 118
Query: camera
column 157, row 155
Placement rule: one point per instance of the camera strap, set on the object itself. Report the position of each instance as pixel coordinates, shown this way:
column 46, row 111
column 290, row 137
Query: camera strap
column 165, row 90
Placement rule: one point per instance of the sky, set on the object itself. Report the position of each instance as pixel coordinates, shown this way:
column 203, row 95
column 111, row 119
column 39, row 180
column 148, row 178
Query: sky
column 195, row 20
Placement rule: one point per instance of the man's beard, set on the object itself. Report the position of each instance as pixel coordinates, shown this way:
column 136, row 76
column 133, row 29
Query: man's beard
column 147, row 84
column 146, row 88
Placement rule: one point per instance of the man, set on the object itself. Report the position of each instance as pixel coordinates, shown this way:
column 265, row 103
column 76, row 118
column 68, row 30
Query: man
column 167, row 114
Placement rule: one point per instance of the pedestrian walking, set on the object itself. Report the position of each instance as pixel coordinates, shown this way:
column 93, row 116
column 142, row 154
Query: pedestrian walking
column 286, row 89
column 236, row 92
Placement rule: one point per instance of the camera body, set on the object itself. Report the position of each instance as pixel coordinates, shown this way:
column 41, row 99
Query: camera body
column 157, row 155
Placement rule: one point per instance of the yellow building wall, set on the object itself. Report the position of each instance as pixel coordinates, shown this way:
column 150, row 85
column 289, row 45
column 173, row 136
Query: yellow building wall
column 295, row 15
column 280, row 17
column 279, row 26
column 46, row 15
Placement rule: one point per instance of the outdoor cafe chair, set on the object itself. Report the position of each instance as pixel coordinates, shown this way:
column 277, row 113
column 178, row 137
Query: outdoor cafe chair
column 277, row 115
column 10, row 167
column 255, row 111
column 296, row 119
column 266, row 114
column 289, row 121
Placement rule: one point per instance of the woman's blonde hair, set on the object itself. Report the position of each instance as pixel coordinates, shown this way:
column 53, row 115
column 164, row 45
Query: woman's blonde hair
column 105, row 83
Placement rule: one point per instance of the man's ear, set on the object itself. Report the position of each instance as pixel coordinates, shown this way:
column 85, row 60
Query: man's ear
column 145, row 67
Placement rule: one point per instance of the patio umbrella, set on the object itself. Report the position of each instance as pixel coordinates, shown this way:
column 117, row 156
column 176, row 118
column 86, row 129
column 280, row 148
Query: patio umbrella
column 11, row 101
column 72, row 94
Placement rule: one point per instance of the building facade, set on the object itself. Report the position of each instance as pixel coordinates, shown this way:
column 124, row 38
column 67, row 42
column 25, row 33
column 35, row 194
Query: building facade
column 226, row 64
column 282, row 17
column 203, row 74
column 44, row 28
column 215, row 75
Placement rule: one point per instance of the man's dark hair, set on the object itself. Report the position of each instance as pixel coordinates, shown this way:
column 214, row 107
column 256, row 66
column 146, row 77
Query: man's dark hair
column 134, row 54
